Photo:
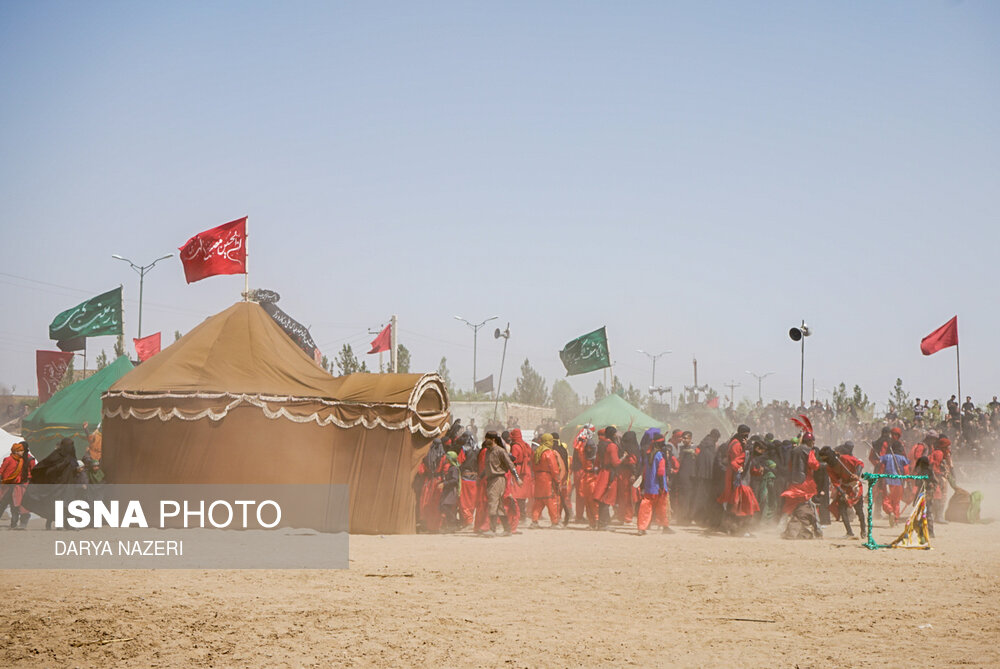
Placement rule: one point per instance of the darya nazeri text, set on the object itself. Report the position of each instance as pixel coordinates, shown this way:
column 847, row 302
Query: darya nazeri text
column 161, row 548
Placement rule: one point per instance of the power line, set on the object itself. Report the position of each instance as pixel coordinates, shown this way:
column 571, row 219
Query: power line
column 83, row 291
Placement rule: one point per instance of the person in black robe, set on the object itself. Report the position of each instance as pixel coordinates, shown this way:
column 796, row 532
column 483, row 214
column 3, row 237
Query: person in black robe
column 53, row 479
column 704, row 472
column 451, row 491
column 682, row 489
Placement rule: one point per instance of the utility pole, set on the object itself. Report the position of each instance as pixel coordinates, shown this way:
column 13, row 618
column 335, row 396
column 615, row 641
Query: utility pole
column 732, row 385
column 695, row 389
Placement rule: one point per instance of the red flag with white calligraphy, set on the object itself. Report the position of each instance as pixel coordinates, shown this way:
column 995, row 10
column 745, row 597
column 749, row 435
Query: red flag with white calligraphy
column 50, row 367
column 221, row 250
column 147, row 347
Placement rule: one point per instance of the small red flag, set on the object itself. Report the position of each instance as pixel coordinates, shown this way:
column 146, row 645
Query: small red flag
column 383, row 341
column 943, row 337
column 221, row 250
column 713, row 403
column 147, row 347
column 50, row 367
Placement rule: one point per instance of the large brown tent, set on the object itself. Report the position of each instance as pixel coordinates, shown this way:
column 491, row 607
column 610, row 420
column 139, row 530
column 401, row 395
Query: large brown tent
column 236, row 401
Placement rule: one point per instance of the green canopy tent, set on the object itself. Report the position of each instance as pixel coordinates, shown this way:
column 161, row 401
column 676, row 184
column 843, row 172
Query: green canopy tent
column 612, row 410
column 66, row 411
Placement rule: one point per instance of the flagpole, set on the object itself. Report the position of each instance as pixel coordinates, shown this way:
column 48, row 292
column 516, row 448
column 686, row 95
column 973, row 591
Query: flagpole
column 958, row 367
column 393, row 342
column 246, row 261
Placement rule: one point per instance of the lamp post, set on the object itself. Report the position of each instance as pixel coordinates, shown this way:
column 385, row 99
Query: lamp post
column 475, row 335
column 760, row 378
column 799, row 334
column 142, row 269
column 653, row 359
column 506, row 337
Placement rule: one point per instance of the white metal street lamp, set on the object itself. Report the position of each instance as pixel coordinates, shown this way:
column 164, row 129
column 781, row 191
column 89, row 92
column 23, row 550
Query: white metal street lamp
column 760, row 378
column 475, row 335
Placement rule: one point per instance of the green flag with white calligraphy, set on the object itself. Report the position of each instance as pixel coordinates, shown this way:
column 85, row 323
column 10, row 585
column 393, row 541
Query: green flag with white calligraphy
column 586, row 353
column 101, row 315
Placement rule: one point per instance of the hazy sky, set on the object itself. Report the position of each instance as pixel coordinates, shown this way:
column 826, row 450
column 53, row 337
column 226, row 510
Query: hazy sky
column 697, row 176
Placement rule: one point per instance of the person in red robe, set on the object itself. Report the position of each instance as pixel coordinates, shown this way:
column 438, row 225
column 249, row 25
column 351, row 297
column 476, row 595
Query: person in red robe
column 588, row 477
column 606, row 483
column 894, row 462
column 579, row 458
column 430, row 493
column 469, row 496
column 15, row 471
column 482, row 522
column 844, row 471
column 803, row 463
column 737, row 498
column 940, row 460
column 520, row 453
column 917, row 451
column 548, row 474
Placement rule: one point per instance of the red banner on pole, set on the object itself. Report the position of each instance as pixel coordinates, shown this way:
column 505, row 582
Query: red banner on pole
column 383, row 341
column 944, row 337
column 221, row 250
column 147, row 347
column 50, row 367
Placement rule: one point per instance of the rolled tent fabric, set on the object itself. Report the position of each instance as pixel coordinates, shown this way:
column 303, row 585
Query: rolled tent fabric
column 237, row 401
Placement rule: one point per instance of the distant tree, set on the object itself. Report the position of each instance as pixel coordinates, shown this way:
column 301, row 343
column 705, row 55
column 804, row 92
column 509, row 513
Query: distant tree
column 102, row 360
column 177, row 335
column 67, row 379
column 565, row 399
column 617, row 387
column 860, row 402
column 119, row 346
column 840, row 399
column 402, row 359
column 347, row 362
column 634, row 396
column 745, row 406
column 600, row 392
column 530, row 387
column 445, row 375
column 901, row 399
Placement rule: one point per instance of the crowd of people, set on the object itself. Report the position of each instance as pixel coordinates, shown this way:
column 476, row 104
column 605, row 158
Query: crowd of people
column 53, row 473
column 603, row 479
column 975, row 429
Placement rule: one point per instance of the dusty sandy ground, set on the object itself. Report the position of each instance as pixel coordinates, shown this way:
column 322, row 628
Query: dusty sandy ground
column 543, row 598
